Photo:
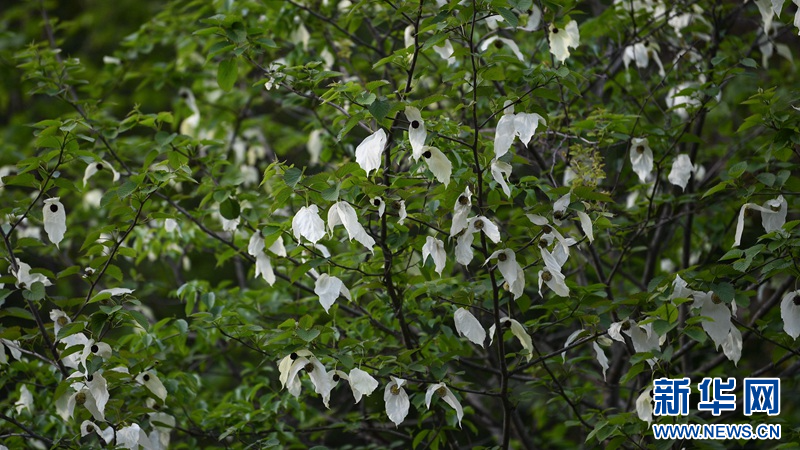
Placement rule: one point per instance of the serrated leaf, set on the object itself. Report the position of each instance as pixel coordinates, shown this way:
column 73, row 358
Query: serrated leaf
column 292, row 176
column 230, row 209
column 379, row 109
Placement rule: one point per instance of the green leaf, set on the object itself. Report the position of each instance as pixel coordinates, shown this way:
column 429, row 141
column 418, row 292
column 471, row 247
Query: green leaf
column 227, row 72
column 737, row 169
column 720, row 186
column 230, row 209
column 35, row 292
column 292, row 176
column 70, row 329
column 126, row 189
column 748, row 62
column 509, row 16
column 307, row 335
column 379, row 109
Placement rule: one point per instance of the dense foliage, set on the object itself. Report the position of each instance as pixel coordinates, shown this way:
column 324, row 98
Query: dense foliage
column 253, row 224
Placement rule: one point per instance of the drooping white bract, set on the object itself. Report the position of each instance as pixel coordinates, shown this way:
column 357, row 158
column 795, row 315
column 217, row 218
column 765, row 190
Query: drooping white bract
column 640, row 53
column 341, row 213
column 732, row 347
column 643, row 337
column 468, row 326
column 641, row 158
column 133, row 437
column 370, row 150
column 680, row 289
column 435, row 249
column 25, row 278
column 510, row 43
column 773, row 216
column 314, row 146
column 171, row 225
column 714, row 308
column 380, row 204
column 586, row 225
column 501, row 170
column 518, row 331
column 512, row 125
column 308, row 224
column 290, row 367
column 329, row 288
column 561, row 39
column 797, row 16
column 92, row 347
column 442, row 391
column 644, row 406
column 446, row 51
column 570, row 339
column 277, row 247
column 464, row 242
column 90, row 392
column 55, row 220
column 602, row 359
column 401, row 214
column 551, row 275
column 362, row 383
column 438, row 163
column 88, row 427
column 25, row 397
column 255, row 248
column 149, row 380
column 396, row 400
column 416, row 131
column 682, row 169
column 461, row 211
column 680, row 103
column 511, row 270
column 790, row 314
column 95, row 167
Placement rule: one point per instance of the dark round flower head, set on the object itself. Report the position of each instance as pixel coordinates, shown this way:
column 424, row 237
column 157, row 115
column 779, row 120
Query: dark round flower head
column 415, row 124
column 427, row 154
column 53, row 208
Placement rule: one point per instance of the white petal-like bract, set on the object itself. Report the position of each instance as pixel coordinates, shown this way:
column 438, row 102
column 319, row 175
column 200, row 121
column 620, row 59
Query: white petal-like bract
column 55, row 220
column 416, row 131
column 438, row 163
column 396, row 400
column 501, row 170
column 790, row 314
column 342, row 213
column 681, row 171
column 561, row 39
column 435, row 249
column 641, row 158
column 328, row 289
column 448, row 397
column 370, row 150
column 468, row 326
column 308, row 224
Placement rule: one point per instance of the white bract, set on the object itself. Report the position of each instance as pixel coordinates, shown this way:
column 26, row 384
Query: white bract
column 341, row 213
column 790, row 313
column 561, row 39
column 369, row 151
column 682, row 169
column 503, row 42
column 714, row 308
column 501, row 170
column 314, row 146
column 445, row 51
column 468, row 326
column 442, row 391
column 380, row 204
column 25, row 397
column 98, row 166
column 586, row 225
column 401, row 214
column 308, row 224
column 518, row 331
column 435, row 249
column 640, row 53
column 396, row 400
column 438, row 163
column 149, row 380
column 290, row 367
column 511, row 270
column 641, row 158
column 602, row 359
column 551, row 274
column 328, row 289
column 416, row 131
column 255, row 247
column 361, row 383
column 511, row 125
column 55, row 220
column 773, row 216
column 132, row 437
column 25, row 278
column 461, row 212
column 464, row 242
column 644, row 406
column 88, row 427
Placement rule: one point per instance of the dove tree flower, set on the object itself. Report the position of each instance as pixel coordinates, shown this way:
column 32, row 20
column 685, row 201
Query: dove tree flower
column 25, row 278
column 511, row 270
column 416, row 131
column 501, row 170
column 773, row 216
column 88, row 427
column 500, row 42
column 396, row 400
column 255, row 247
column 551, row 274
column 308, row 224
column 341, row 213
column 464, row 243
column 361, row 382
column 790, row 313
column 96, row 167
column 461, row 211
column 435, row 249
column 562, row 39
column 438, row 164
column 151, row 381
column 644, row 405
column 641, row 158
column 55, row 220
column 518, row 331
column 512, row 125
column 469, row 326
column 328, row 289
column 303, row 360
column 370, row 150
column 444, row 392
column 682, row 169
